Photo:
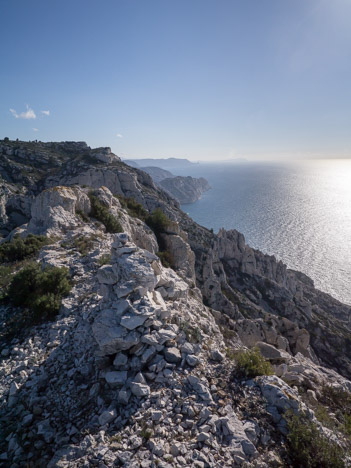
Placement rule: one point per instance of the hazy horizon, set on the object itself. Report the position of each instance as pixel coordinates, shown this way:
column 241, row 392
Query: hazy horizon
column 188, row 79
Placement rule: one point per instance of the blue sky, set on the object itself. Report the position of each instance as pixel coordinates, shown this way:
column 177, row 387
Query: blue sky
column 185, row 78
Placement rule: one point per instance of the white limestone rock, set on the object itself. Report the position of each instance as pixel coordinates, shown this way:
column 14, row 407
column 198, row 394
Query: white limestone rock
column 54, row 210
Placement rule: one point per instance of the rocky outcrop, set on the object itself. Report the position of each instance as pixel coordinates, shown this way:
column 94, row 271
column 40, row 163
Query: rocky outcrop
column 157, row 173
column 185, row 189
column 105, row 155
column 55, row 210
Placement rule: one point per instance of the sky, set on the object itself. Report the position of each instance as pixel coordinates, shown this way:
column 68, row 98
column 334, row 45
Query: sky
column 200, row 79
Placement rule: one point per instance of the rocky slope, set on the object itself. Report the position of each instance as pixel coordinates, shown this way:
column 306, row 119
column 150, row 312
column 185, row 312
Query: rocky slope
column 139, row 368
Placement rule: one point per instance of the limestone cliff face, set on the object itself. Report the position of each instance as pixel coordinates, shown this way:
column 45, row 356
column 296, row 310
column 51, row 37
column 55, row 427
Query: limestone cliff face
column 256, row 285
column 137, row 366
column 185, row 189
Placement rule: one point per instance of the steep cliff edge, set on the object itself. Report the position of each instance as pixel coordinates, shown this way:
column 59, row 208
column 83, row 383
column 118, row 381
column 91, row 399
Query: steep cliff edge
column 185, row 189
column 139, row 368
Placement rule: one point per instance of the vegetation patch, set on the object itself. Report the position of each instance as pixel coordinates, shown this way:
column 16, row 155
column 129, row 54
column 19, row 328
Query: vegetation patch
column 133, row 208
column 102, row 214
column 166, row 258
column 83, row 244
column 309, row 448
column 38, row 293
column 251, row 363
column 227, row 333
column 339, row 403
column 82, row 216
column 230, row 353
column 193, row 334
column 18, row 249
column 104, row 260
column 158, row 221
column 6, row 275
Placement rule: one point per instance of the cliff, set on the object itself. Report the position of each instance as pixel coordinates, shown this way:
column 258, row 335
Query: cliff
column 183, row 189
column 144, row 363
column 157, row 173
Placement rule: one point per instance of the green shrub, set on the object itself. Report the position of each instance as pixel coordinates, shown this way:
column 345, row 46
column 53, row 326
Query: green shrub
column 102, row 214
column 133, row 207
column 83, row 244
column 6, row 274
column 18, row 249
column 308, row 448
column 251, row 363
column 230, row 353
column 336, row 399
column 40, row 291
column 158, row 221
column 82, row 215
column 193, row 334
column 347, row 425
column 104, row 259
column 166, row 258
column 339, row 402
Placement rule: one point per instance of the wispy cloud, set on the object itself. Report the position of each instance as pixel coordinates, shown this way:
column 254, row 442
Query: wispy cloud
column 46, row 112
column 28, row 114
column 35, row 129
column 119, row 135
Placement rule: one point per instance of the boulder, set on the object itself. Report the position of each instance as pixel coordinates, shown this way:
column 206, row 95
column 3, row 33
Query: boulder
column 273, row 354
column 172, row 355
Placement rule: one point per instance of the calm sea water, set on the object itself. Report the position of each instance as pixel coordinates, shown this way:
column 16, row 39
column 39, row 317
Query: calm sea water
column 301, row 213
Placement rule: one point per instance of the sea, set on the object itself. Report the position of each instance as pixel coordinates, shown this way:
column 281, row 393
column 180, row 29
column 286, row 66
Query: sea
column 300, row 212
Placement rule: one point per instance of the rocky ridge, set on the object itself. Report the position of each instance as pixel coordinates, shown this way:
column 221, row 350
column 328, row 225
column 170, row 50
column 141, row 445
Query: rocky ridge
column 137, row 368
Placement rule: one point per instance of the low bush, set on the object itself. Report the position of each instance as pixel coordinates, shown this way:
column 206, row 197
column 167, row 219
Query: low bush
column 18, row 249
column 309, row 448
column 82, row 215
column 104, row 259
column 39, row 291
column 251, row 364
column 6, row 275
column 193, row 334
column 166, row 258
column 335, row 398
column 158, row 221
column 339, row 403
column 134, row 208
column 102, row 214
column 83, row 244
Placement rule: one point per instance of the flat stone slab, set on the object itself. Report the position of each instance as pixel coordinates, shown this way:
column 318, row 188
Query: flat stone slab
column 133, row 321
column 116, row 378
